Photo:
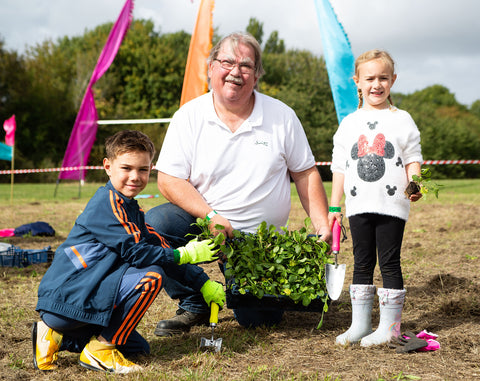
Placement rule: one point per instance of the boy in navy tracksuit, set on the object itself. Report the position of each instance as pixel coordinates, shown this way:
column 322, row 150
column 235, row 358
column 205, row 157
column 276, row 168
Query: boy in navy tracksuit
column 109, row 270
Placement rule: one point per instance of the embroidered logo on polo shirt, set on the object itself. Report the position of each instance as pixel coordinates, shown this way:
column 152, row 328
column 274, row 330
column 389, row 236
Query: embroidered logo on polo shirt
column 261, row 143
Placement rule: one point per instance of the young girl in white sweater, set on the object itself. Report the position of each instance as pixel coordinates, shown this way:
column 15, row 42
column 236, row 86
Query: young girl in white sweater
column 375, row 154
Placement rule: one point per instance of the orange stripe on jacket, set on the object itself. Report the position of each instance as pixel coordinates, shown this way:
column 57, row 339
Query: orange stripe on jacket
column 119, row 211
column 80, row 258
column 163, row 241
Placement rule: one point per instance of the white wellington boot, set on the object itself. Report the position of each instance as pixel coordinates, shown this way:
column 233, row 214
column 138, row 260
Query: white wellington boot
column 362, row 296
column 391, row 306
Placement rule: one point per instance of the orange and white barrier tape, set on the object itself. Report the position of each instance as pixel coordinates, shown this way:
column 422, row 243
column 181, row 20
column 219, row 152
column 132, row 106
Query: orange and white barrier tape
column 90, row 167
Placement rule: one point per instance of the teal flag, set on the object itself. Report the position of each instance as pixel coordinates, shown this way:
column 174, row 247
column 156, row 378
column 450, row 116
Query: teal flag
column 5, row 152
column 338, row 59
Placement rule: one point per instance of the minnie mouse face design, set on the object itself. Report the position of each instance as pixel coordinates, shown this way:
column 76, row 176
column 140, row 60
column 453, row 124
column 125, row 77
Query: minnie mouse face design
column 371, row 159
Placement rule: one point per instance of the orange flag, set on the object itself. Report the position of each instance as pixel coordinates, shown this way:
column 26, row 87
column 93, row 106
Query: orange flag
column 195, row 80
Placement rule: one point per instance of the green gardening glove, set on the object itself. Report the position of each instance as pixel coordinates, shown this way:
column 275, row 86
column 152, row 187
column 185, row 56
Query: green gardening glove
column 213, row 292
column 197, row 251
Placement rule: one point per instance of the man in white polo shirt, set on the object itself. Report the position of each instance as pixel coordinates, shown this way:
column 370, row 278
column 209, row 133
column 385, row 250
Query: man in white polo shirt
column 229, row 155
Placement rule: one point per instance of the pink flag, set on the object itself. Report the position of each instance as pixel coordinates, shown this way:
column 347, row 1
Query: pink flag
column 10, row 126
column 85, row 127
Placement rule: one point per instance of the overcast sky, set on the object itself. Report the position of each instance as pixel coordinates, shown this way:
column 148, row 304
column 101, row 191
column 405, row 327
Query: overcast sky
column 432, row 41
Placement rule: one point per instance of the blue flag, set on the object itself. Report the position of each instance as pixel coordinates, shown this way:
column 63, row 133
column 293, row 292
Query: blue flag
column 5, row 152
column 339, row 60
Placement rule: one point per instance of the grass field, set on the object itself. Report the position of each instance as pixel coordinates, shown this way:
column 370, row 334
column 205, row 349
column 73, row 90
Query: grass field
column 441, row 266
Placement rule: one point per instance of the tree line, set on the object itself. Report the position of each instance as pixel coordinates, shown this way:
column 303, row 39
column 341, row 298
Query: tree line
column 44, row 88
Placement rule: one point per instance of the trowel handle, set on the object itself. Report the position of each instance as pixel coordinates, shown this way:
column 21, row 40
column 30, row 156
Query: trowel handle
column 214, row 313
column 336, row 233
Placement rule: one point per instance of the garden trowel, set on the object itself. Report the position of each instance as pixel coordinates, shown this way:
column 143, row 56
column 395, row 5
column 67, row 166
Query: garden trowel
column 335, row 273
column 211, row 344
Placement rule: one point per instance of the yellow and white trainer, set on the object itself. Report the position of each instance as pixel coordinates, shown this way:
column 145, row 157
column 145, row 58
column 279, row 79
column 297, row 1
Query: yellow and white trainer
column 46, row 344
column 106, row 358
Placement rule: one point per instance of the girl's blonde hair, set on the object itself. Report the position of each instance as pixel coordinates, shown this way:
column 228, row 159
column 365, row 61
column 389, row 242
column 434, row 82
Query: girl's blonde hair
column 374, row 54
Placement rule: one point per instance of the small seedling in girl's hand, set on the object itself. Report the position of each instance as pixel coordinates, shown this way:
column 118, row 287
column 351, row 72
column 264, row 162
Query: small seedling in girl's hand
column 423, row 184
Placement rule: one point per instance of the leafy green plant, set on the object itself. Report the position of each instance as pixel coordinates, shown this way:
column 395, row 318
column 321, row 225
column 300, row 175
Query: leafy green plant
column 286, row 263
column 425, row 183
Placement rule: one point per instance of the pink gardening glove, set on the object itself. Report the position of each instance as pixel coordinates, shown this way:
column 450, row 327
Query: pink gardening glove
column 7, row 232
column 433, row 344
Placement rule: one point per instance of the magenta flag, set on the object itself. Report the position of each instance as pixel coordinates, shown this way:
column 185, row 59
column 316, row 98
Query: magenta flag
column 85, row 128
column 10, row 126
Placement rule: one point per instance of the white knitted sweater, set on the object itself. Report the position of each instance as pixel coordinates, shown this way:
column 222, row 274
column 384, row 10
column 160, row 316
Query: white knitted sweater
column 371, row 148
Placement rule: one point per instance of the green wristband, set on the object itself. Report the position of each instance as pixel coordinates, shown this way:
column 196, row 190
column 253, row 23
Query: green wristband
column 211, row 215
column 334, row 209
column 176, row 255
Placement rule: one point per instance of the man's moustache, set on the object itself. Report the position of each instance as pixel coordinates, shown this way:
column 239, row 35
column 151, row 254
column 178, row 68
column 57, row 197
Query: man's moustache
column 235, row 80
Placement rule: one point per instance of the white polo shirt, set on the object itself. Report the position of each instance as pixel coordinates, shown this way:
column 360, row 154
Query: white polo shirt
column 242, row 175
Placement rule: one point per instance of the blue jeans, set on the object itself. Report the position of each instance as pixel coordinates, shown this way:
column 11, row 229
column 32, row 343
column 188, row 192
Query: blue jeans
column 174, row 223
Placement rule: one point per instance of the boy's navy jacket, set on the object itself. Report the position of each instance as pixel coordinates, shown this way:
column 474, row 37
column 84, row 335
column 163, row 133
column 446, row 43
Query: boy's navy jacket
column 108, row 237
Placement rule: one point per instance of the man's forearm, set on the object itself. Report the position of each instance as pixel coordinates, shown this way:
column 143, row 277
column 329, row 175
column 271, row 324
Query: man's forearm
column 312, row 196
column 182, row 193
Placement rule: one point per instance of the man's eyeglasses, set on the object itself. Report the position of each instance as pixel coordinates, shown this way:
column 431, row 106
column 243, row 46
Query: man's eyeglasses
column 229, row 65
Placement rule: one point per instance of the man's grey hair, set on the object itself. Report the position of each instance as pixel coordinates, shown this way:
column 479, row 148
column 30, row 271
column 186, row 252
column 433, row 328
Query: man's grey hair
column 234, row 39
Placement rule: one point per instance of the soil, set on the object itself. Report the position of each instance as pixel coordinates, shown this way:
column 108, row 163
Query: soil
column 412, row 188
column 440, row 261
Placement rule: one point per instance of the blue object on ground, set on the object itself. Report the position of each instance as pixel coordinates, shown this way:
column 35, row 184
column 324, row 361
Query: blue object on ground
column 39, row 228
column 14, row 256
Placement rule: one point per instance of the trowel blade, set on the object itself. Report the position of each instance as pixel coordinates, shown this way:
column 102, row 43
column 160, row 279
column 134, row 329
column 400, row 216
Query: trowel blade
column 210, row 344
column 334, row 277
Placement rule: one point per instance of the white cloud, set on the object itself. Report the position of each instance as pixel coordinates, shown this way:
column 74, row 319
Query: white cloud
column 432, row 42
